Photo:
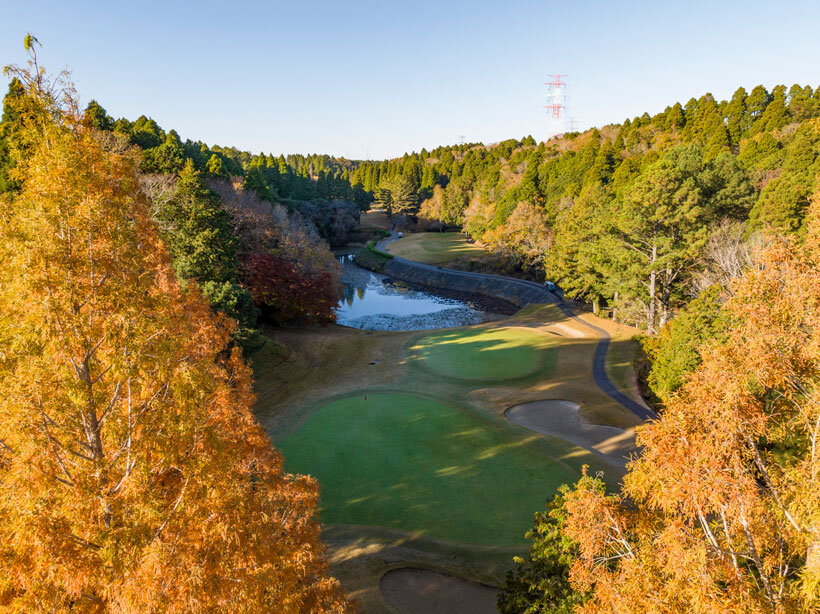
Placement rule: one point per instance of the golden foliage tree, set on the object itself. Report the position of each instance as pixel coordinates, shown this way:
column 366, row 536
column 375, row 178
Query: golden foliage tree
column 525, row 238
column 133, row 476
column 721, row 512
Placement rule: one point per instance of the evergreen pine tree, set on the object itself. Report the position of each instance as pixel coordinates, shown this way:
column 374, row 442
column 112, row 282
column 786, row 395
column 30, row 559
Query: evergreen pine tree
column 9, row 126
column 96, row 116
column 215, row 168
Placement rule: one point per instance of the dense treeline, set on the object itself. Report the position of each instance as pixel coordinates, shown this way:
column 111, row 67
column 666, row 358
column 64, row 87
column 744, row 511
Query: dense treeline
column 126, row 439
column 706, row 210
column 284, row 179
column 570, row 206
column 637, row 217
column 219, row 210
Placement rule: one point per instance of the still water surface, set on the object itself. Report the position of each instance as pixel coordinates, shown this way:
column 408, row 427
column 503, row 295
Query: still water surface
column 374, row 302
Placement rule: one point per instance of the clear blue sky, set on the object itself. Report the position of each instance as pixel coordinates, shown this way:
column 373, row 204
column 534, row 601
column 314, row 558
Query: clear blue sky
column 385, row 77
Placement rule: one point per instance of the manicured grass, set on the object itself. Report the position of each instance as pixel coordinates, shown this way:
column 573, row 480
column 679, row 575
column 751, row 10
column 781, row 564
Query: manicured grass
column 371, row 258
column 411, row 463
column 492, row 354
column 433, row 247
column 619, row 364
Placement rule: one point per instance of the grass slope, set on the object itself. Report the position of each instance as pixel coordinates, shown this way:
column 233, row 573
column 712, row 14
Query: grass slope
column 412, row 463
column 434, row 247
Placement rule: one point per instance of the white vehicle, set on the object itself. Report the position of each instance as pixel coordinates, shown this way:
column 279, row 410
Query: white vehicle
column 401, row 234
column 549, row 286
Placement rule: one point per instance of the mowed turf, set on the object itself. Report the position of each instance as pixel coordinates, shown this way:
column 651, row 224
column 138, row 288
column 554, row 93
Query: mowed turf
column 433, row 247
column 411, row 463
column 490, row 354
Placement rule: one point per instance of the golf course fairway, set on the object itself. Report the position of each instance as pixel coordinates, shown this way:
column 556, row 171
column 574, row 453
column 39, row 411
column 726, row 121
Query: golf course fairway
column 434, row 247
column 489, row 354
column 415, row 464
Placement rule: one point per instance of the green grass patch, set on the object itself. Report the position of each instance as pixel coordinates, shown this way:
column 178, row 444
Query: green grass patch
column 371, row 258
column 411, row 463
column 620, row 359
column 492, row 354
column 371, row 247
column 434, row 247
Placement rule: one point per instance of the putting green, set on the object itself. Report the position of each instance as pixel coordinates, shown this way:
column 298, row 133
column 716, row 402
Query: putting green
column 411, row 463
column 485, row 354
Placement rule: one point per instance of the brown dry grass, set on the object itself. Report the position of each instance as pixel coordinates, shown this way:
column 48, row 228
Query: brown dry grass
column 324, row 362
column 376, row 218
column 572, row 378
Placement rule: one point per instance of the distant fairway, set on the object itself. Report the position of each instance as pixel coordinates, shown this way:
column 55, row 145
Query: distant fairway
column 486, row 354
column 411, row 463
column 433, row 247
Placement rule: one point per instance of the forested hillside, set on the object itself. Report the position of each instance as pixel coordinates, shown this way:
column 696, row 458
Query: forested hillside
column 251, row 232
column 719, row 511
column 638, row 218
column 291, row 178
column 625, row 215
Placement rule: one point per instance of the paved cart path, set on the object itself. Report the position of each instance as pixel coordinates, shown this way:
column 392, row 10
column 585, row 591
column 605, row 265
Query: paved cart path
column 526, row 292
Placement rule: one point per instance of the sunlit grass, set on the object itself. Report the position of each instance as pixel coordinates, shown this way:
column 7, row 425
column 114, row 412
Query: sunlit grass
column 489, row 354
column 449, row 475
column 434, row 247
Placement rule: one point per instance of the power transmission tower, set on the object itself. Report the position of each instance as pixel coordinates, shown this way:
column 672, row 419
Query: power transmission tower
column 556, row 103
column 461, row 139
column 572, row 123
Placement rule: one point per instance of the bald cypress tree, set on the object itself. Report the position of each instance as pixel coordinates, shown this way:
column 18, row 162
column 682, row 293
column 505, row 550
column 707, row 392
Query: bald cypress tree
column 135, row 477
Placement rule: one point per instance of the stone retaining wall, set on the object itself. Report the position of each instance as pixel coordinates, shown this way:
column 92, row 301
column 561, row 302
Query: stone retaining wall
column 519, row 293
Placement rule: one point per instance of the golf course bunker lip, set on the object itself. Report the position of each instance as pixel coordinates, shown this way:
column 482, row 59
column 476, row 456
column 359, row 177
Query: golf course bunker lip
column 419, row 591
column 564, row 330
column 561, row 418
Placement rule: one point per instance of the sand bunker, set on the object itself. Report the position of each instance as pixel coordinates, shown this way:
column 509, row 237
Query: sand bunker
column 418, row 591
column 567, row 331
column 562, row 419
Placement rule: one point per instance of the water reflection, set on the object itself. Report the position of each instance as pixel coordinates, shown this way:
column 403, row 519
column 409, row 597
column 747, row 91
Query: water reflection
column 372, row 301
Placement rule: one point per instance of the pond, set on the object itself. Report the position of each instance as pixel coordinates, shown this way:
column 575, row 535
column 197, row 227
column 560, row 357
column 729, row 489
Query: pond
column 372, row 301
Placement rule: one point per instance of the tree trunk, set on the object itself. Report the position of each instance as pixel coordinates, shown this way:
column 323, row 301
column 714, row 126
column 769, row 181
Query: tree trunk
column 666, row 297
column 653, row 278
column 614, row 308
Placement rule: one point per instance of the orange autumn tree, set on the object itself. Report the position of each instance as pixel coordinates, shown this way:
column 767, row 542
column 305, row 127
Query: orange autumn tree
column 133, row 476
column 721, row 512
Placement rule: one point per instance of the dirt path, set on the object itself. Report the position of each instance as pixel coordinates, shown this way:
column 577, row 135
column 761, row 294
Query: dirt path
column 562, row 419
column 418, row 591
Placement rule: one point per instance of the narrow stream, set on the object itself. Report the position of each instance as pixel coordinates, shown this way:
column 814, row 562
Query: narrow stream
column 372, row 301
